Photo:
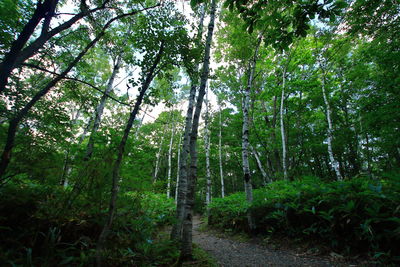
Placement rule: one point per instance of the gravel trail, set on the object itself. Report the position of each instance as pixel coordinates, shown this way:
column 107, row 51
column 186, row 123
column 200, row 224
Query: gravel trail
column 230, row 253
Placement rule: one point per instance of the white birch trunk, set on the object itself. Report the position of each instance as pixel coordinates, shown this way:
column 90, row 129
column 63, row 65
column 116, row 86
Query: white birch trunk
column 334, row 162
column 245, row 136
column 170, row 159
column 284, row 160
column 221, row 171
column 100, row 109
column 177, row 172
column 177, row 229
column 158, row 156
column 186, row 251
column 266, row 178
column 207, row 150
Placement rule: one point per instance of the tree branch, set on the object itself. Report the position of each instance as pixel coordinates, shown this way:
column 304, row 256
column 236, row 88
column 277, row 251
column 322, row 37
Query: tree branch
column 77, row 80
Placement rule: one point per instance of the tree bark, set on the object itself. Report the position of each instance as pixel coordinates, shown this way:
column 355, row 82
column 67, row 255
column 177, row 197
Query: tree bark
column 158, row 155
column 284, row 151
column 334, row 162
column 121, row 150
column 221, row 171
column 170, row 158
column 186, row 250
column 100, row 108
column 207, row 150
column 177, row 172
column 266, row 178
column 245, row 136
column 176, row 232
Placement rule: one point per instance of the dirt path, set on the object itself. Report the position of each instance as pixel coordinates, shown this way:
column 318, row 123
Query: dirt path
column 230, row 253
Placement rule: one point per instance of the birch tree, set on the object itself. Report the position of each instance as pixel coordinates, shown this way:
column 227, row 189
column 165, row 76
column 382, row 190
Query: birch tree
column 207, row 150
column 328, row 111
column 176, row 232
column 170, row 157
column 283, row 137
column 158, row 154
column 100, row 107
column 221, row 171
column 186, row 251
column 245, row 134
column 178, row 170
column 266, row 178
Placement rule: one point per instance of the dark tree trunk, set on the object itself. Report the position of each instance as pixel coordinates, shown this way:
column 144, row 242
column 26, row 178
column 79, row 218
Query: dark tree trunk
column 121, row 149
column 186, row 251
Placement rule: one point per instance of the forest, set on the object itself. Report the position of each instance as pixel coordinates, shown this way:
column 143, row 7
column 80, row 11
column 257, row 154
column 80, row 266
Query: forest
column 124, row 125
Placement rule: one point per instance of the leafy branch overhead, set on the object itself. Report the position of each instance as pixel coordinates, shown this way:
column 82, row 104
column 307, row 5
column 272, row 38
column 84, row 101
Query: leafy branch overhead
column 282, row 21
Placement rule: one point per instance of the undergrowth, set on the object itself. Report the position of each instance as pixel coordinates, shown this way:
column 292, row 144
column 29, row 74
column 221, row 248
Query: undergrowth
column 357, row 216
column 38, row 227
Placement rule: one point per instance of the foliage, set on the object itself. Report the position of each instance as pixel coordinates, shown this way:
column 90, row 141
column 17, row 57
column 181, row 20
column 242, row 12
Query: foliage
column 37, row 230
column 358, row 215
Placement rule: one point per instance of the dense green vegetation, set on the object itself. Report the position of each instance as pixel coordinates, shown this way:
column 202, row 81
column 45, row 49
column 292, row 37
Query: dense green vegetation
column 120, row 119
column 38, row 229
column 355, row 216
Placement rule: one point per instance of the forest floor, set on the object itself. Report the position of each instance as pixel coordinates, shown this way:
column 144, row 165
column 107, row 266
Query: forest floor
column 232, row 251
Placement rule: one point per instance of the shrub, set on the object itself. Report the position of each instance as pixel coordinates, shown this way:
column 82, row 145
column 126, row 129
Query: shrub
column 37, row 229
column 354, row 216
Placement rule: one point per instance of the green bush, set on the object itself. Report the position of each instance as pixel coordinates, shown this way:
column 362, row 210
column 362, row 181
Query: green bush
column 38, row 228
column 354, row 216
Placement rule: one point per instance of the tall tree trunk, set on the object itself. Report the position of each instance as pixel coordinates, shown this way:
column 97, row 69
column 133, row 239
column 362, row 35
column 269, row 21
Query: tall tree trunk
column 158, row 155
column 13, row 126
column 121, row 148
column 178, row 170
column 245, row 135
column 207, row 150
column 186, row 251
column 170, row 157
column 284, row 159
column 100, row 108
column 221, row 171
column 266, row 178
column 176, row 232
column 334, row 162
